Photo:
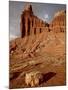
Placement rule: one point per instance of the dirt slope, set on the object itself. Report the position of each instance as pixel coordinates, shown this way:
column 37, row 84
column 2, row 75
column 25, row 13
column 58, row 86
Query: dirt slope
column 44, row 52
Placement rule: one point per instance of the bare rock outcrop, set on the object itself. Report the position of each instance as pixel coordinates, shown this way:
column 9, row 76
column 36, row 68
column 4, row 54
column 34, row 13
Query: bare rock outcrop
column 12, row 46
column 33, row 78
column 31, row 24
column 58, row 23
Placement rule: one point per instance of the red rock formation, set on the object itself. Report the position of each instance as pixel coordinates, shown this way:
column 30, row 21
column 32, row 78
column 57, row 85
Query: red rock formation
column 31, row 24
column 12, row 46
column 58, row 24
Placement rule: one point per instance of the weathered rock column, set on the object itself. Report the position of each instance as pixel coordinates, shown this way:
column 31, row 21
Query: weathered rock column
column 22, row 26
column 26, row 26
column 31, row 26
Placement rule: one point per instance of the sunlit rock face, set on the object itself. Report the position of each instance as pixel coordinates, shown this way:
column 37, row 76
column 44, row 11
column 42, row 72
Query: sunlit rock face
column 58, row 23
column 31, row 24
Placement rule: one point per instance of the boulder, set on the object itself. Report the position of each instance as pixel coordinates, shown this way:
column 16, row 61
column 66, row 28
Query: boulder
column 33, row 78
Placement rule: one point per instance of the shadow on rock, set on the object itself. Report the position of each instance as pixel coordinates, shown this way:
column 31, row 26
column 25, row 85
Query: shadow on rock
column 47, row 76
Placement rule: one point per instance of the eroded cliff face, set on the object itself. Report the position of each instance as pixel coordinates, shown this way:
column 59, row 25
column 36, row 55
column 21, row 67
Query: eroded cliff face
column 58, row 23
column 34, row 27
column 40, row 48
column 31, row 24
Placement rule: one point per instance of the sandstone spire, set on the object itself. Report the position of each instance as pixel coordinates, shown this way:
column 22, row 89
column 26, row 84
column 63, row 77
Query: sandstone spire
column 31, row 24
column 28, row 7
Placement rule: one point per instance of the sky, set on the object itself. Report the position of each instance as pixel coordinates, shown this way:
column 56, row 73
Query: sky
column 44, row 11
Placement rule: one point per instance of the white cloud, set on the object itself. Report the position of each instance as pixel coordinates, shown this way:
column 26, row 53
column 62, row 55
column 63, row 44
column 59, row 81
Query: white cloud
column 46, row 16
column 12, row 37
